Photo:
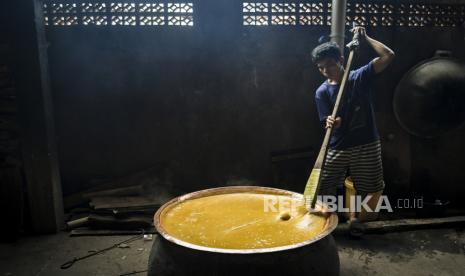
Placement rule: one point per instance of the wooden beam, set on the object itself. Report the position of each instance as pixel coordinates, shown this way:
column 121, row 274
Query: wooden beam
column 398, row 225
column 35, row 116
column 125, row 202
column 99, row 232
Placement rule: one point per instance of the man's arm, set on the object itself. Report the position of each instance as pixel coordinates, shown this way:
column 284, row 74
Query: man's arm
column 385, row 55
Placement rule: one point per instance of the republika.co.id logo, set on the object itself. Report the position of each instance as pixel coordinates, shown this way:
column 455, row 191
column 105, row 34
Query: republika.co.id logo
column 273, row 203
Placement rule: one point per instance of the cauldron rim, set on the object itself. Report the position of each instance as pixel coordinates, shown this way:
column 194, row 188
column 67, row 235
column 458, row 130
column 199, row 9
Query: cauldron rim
column 331, row 221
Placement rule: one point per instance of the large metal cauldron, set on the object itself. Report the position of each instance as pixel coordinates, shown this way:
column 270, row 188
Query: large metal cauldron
column 430, row 99
column 171, row 256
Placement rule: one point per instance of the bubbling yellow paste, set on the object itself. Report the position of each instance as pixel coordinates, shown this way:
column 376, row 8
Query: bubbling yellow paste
column 242, row 221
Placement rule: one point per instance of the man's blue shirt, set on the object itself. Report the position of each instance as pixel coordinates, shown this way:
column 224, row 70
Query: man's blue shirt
column 358, row 124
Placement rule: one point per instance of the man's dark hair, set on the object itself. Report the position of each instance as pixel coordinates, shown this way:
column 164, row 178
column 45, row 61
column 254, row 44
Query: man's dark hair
column 326, row 50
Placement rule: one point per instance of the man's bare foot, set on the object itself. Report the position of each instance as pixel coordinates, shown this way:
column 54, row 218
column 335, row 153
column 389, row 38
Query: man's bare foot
column 356, row 228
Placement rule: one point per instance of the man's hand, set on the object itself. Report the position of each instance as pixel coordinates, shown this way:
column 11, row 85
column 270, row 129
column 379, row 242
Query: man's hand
column 330, row 122
column 385, row 55
column 362, row 34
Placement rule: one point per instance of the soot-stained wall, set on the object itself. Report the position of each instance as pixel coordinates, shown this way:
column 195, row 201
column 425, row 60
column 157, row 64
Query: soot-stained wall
column 209, row 103
column 208, row 109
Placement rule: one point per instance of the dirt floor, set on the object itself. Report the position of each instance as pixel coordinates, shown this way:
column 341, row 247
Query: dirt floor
column 423, row 252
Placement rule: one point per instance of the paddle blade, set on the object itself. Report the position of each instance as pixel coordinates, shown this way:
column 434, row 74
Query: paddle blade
column 311, row 189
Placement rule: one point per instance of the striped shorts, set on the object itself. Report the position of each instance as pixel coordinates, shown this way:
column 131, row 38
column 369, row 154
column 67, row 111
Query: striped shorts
column 364, row 164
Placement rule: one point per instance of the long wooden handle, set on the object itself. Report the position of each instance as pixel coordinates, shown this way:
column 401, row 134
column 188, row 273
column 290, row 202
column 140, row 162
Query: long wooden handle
column 313, row 182
column 324, row 146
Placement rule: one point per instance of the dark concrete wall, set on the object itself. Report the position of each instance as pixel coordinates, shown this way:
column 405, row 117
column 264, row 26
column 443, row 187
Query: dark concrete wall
column 210, row 103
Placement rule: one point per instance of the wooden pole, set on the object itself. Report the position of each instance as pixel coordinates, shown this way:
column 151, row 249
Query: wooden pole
column 35, row 116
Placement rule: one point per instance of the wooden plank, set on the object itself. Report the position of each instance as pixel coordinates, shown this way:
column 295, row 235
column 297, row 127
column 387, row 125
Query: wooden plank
column 35, row 115
column 124, row 191
column 135, row 221
column 398, row 225
column 131, row 180
column 411, row 224
column 99, row 232
column 77, row 223
column 76, row 199
column 124, row 202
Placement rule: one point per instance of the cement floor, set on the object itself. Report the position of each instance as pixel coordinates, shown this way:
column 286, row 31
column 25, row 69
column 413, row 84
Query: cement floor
column 425, row 252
